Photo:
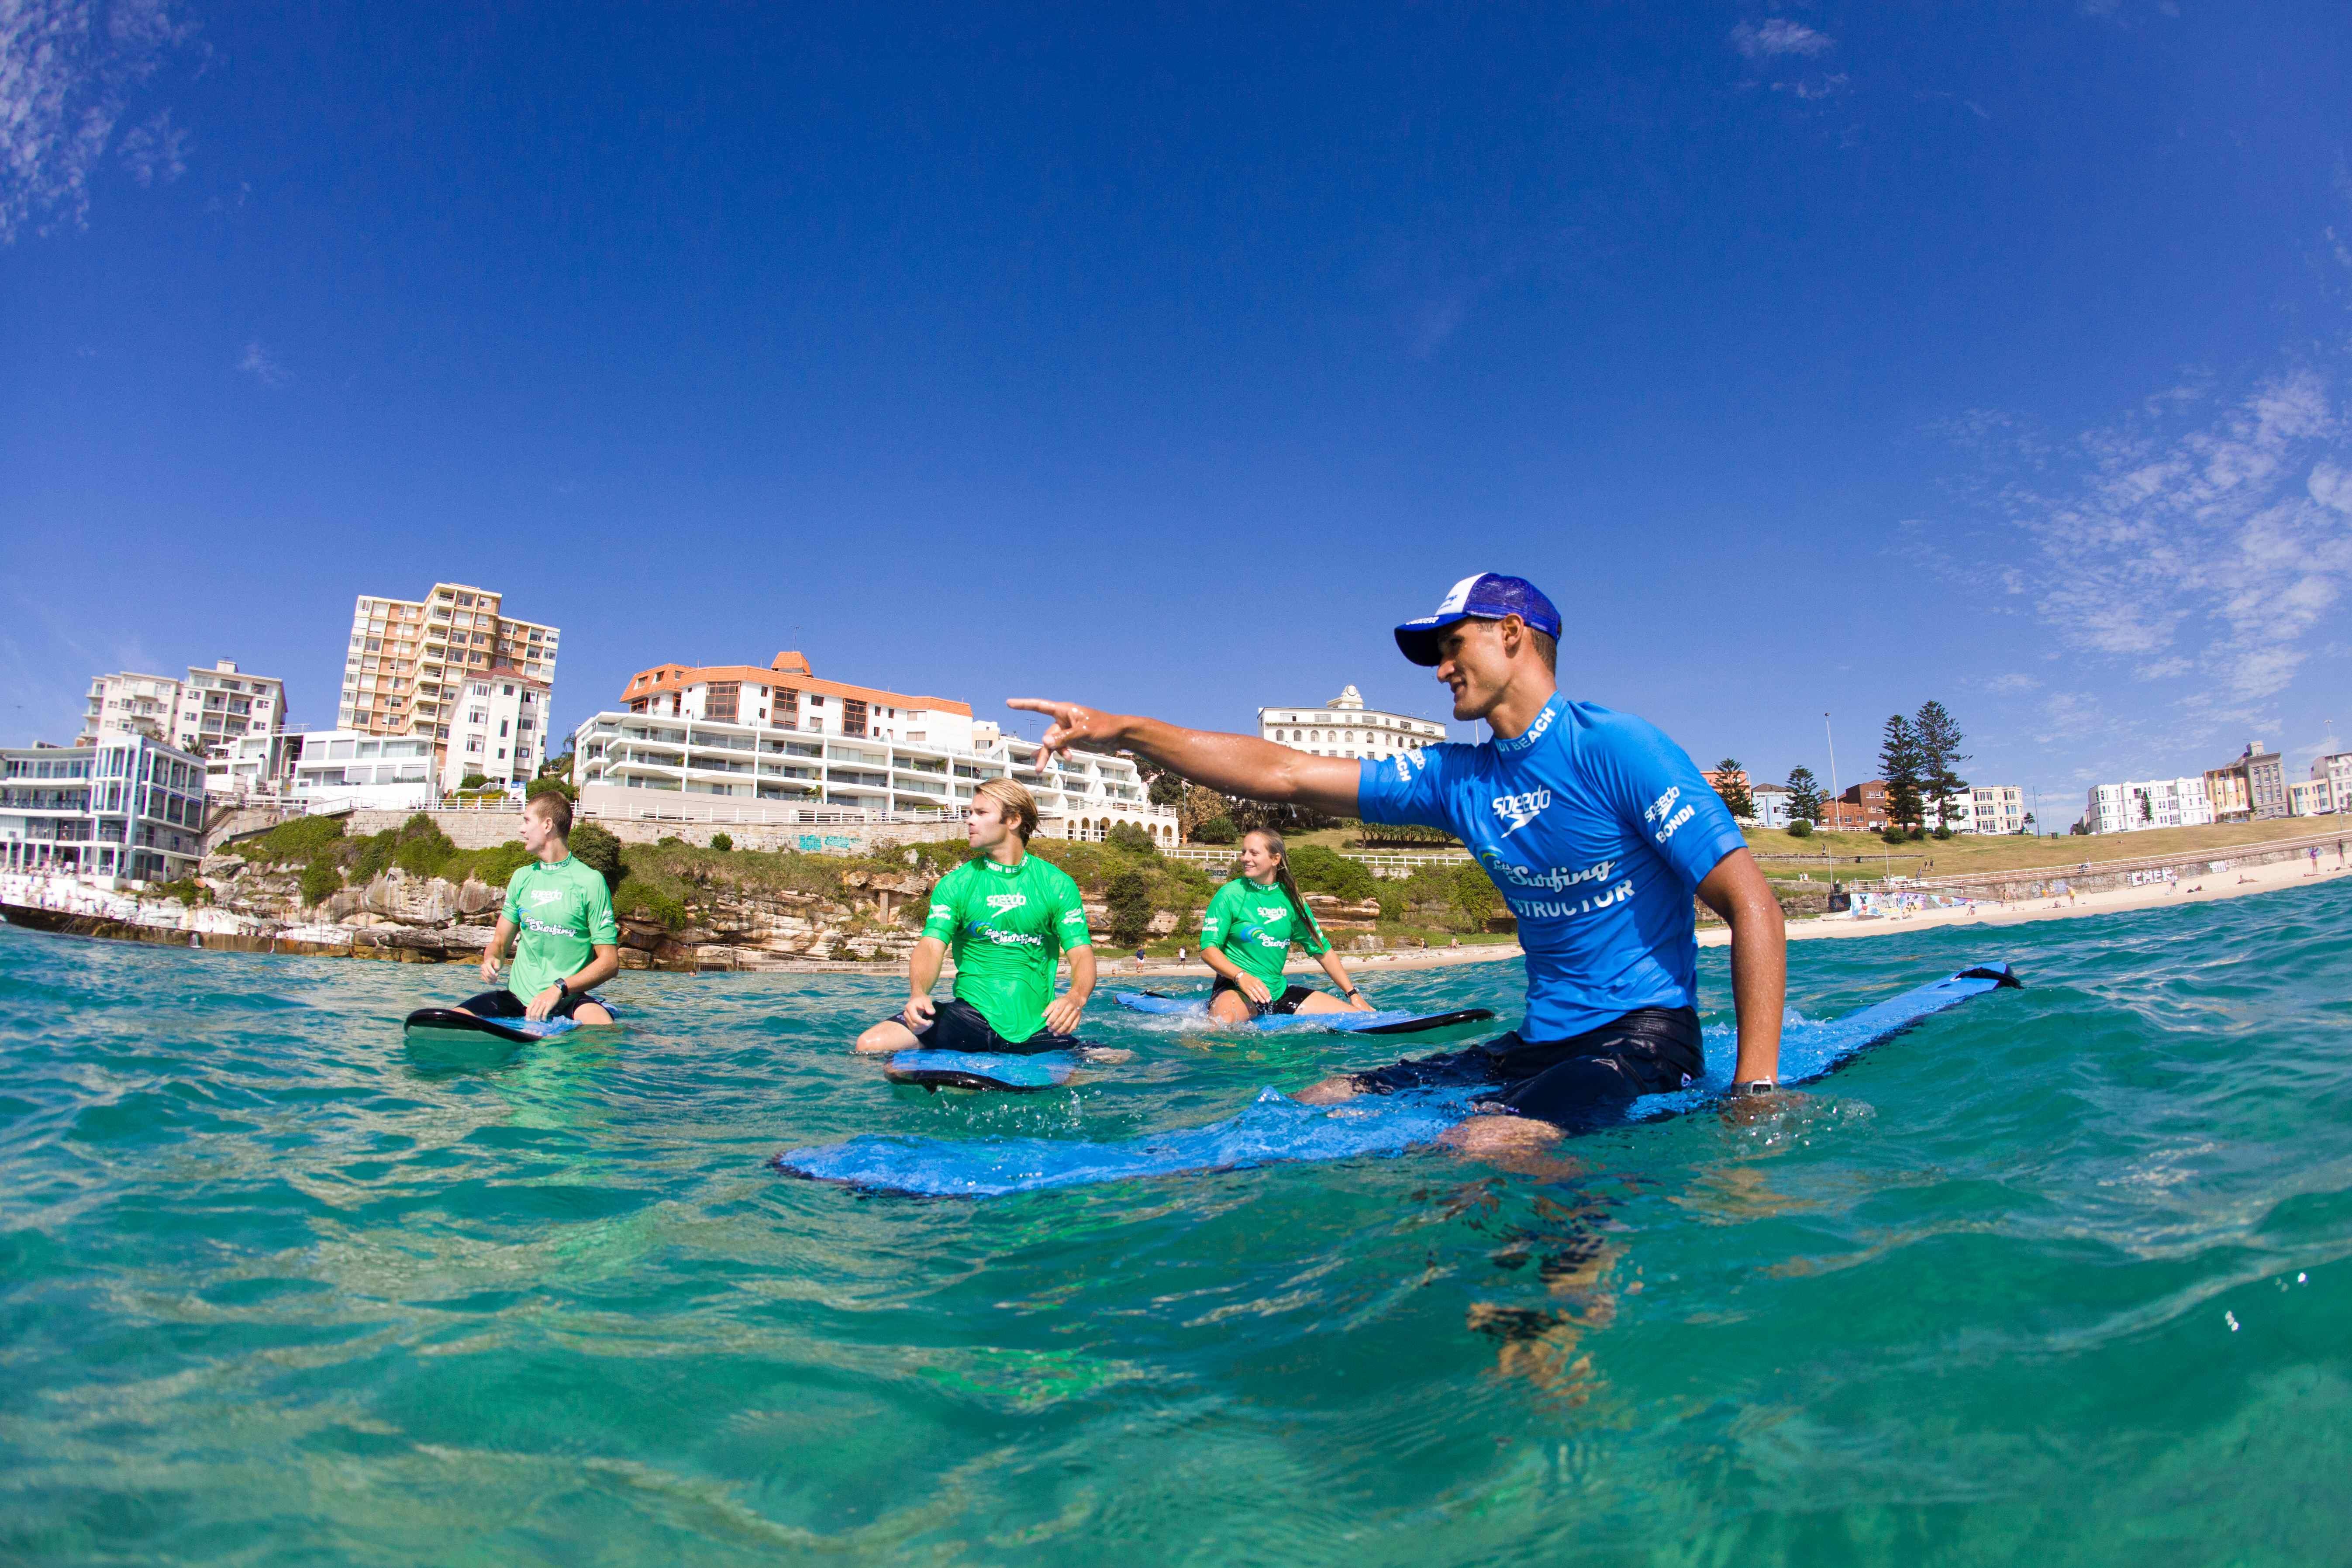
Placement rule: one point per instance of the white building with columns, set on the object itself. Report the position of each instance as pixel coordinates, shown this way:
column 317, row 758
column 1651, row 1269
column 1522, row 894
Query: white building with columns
column 1344, row 727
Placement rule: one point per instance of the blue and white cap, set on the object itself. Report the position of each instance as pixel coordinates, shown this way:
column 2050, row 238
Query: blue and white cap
column 1488, row 597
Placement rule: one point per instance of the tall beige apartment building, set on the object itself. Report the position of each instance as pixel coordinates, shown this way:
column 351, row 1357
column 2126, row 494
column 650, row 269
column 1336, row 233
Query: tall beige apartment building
column 414, row 665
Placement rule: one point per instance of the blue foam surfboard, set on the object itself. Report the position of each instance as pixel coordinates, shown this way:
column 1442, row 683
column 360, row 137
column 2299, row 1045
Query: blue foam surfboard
column 981, row 1069
column 1275, row 1128
column 1377, row 1023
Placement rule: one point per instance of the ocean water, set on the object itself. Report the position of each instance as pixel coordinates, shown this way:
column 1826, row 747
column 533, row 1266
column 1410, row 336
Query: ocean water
column 2060, row 1276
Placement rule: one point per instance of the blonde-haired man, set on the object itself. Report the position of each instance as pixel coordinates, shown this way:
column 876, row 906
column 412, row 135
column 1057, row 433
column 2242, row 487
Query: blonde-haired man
column 1008, row 916
column 570, row 942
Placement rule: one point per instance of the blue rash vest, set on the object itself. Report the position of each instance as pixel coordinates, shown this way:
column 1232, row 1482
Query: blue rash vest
column 1598, row 830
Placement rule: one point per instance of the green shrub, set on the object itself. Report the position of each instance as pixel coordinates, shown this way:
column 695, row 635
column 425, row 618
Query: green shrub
column 668, row 841
column 1127, row 836
column 473, row 781
column 549, row 786
column 1893, row 834
column 1216, row 830
column 322, row 879
column 1943, row 830
column 187, row 889
column 596, row 848
column 494, row 867
column 1320, row 870
column 721, row 842
column 637, row 899
column 1800, row 828
column 291, row 843
column 424, row 848
column 1128, row 894
column 1475, row 894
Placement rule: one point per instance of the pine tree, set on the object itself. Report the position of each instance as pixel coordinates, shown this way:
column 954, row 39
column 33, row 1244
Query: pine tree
column 1900, row 765
column 1940, row 757
column 1730, row 783
column 1804, row 794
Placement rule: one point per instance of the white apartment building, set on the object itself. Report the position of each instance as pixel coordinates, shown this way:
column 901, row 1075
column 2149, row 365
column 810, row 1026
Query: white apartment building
column 2334, row 768
column 2138, row 805
column 126, row 805
column 1986, row 808
column 785, row 695
column 498, row 730
column 1344, row 727
column 410, row 662
column 630, row 765
column 350, row 768
column 2310, row 797
column 214, row 705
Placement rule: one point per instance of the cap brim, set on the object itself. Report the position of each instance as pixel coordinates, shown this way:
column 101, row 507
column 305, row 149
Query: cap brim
column 1418, row 639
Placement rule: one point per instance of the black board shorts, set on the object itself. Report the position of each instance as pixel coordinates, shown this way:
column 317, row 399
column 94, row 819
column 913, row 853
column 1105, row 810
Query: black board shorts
column 1575, row 1082
column 504, row 1003
column 956, row 1025
column 1286, row 1003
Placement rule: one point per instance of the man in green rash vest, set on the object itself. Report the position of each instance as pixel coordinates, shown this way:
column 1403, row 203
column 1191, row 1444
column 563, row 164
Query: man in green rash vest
column 570, row 942
column 1247, row 936
column 1008, row 916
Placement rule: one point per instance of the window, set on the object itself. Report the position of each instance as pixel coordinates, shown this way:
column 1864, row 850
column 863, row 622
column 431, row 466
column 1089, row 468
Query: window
column 784, row 713
column 719, row 700
column 502, row 730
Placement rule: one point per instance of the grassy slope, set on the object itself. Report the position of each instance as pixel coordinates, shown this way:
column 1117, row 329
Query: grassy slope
column 1864, row 855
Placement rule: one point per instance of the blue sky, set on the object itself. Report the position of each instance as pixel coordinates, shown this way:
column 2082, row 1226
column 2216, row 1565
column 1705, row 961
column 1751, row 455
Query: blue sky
column 1812, row 357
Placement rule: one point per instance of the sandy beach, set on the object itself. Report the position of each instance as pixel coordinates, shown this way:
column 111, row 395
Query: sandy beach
column 2233, row 883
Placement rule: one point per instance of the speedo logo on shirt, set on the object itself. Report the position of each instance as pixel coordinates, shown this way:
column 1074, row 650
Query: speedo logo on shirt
column 545, row 895
column 1007, row 900
column 1518, row 810
column 1659, row 811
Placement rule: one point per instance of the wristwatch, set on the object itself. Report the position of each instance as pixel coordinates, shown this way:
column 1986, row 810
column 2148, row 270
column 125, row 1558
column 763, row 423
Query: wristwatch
column 1756, row 1086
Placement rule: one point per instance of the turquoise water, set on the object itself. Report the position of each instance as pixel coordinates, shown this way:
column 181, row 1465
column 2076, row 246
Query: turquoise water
column 2059, row 1277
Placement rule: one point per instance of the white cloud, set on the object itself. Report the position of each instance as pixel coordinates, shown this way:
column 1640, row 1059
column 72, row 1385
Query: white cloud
column 2234, row 537
column 67, row 67
column 157, row 150
column 262, row 365
column 2012, row 683
column 1778, row 35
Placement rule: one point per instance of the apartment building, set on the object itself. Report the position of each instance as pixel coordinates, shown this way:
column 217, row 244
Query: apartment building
column 744, row 743
column 1990, row 808
column 786, row 696
column 2335, row 770
column 498, row 730
column 2136, row 805
column 413, row 664
column 355, row 769
column 214, row 705
column 1344, row 727
column 125, row 805
column 2309, row 797
column 2250, row 789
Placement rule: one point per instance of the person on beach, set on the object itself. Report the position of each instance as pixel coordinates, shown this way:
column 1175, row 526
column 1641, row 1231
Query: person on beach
column 562, row 913
column 1247, row 936
column 1008, row 916
column 1596, row 827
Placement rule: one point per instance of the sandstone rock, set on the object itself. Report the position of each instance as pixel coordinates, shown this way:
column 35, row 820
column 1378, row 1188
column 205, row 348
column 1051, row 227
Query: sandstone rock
column 1162, row 923
column 476, row 896
column 224, row 865
column 411, row 900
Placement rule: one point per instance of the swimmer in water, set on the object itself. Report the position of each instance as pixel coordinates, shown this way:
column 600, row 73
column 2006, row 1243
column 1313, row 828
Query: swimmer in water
column 1246, row 937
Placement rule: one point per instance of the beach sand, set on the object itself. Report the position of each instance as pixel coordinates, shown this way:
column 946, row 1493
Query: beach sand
column 2233, row 883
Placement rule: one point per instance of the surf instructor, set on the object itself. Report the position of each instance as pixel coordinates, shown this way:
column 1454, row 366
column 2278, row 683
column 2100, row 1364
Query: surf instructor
column 1596, row 827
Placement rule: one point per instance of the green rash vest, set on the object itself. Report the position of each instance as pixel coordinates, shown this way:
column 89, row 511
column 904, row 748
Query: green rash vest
column 1008, row 927
column 563, row 911
column 1255, row 924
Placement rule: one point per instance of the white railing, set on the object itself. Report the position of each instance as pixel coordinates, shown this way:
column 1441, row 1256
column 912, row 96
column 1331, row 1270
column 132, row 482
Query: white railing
column 1394, row 863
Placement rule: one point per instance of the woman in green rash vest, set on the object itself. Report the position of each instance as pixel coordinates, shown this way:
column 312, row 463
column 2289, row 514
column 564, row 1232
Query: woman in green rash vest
column 1008, row 916
column 1246, row 934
